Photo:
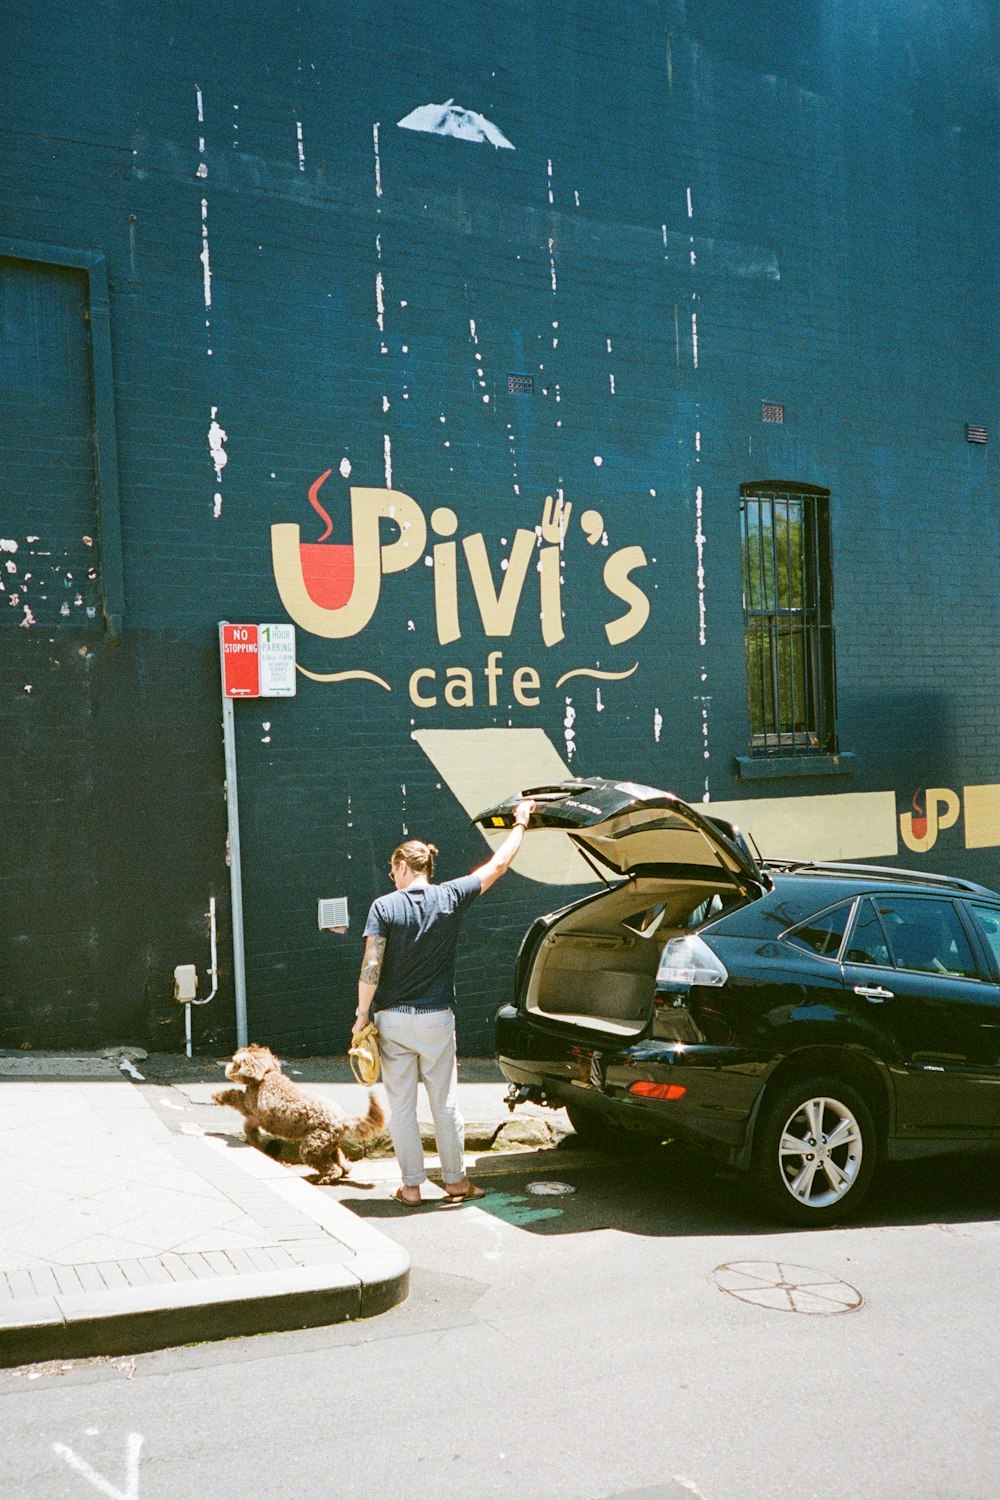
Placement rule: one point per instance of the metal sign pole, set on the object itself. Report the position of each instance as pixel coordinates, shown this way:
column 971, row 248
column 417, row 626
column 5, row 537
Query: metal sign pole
column 235, row 867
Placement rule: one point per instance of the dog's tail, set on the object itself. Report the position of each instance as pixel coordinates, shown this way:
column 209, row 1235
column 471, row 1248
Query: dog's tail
column 368, row 1127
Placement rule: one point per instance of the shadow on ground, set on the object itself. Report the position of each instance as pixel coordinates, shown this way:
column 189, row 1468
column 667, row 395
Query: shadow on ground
column 673, row 1191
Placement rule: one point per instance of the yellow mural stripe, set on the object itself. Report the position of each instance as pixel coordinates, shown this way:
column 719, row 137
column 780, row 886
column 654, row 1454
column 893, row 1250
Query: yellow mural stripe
column 835, row 826
column 593, row 672
column 485, row 766
column 982, row 816
column 342, row 676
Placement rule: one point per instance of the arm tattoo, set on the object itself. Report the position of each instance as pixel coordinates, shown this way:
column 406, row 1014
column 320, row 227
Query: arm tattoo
column 372, row 966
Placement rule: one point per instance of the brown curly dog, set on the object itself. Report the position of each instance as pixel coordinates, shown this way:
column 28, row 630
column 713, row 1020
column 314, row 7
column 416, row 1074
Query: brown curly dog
column 273, row 1103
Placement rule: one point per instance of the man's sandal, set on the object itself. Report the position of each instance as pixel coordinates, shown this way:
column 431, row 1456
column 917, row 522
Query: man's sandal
column 471, row 1190
column 417, row 1202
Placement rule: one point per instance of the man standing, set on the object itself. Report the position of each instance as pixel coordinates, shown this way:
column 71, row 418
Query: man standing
column 409, row 974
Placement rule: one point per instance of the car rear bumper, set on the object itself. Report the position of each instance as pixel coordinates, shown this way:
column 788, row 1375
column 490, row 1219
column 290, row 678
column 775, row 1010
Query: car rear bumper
column 720, row 1084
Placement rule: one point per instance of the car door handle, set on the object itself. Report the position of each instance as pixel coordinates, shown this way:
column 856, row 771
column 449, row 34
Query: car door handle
column 875, row 993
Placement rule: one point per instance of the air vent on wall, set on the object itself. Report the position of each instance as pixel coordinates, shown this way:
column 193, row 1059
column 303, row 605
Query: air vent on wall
column 975, row 434
column 520, row 385
column 770, row 411
column 333, row 913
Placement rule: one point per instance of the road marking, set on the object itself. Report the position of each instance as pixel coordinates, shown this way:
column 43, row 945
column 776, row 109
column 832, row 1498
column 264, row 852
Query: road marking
column 133, row 1447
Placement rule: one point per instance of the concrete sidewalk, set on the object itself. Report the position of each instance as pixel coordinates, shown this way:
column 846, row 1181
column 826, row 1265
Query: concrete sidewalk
column 135, row 1217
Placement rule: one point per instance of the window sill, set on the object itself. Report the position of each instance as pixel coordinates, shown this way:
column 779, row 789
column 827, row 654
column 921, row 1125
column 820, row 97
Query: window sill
column 777, row 767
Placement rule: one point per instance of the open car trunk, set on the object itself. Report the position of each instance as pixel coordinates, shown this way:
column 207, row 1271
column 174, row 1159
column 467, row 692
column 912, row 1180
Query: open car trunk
column 595, row 966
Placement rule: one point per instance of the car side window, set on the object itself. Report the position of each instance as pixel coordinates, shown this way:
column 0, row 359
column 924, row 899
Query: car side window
column 822, row 934
column 927, row 935
column 987, row 919
column 868, row 943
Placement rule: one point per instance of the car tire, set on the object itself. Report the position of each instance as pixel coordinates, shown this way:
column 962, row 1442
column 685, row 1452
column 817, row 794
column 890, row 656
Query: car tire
column 814, row 1151
column 602, row 1133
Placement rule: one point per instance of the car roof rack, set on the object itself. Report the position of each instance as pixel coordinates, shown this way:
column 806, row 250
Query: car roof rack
column 878, row 872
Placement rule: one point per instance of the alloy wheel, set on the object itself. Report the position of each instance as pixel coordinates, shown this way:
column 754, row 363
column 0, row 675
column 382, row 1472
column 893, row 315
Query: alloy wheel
column 820, row 1152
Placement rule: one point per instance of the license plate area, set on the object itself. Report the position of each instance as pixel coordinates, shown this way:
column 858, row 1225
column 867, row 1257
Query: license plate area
column 589, row 1070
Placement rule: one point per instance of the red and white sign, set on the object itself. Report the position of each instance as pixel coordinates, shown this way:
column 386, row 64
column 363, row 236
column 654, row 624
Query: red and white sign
column 258, row 661
column 239, row 645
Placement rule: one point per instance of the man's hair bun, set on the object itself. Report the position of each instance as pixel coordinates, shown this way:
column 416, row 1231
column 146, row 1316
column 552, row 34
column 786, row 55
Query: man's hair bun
column 418, row 855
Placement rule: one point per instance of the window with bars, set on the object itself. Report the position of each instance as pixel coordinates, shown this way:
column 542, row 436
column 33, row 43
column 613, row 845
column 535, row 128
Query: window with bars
column 788, row 618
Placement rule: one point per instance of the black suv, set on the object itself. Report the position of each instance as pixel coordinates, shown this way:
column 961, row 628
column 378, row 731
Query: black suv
column 799, row 1020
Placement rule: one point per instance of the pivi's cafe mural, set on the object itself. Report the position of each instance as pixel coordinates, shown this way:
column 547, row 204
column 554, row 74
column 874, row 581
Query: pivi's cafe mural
column 332, row 590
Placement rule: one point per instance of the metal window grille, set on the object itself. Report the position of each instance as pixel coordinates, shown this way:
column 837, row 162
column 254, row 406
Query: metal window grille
column 520, row 385
column 788, row 619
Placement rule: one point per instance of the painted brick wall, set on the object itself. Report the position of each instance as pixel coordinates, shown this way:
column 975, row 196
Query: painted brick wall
column 707, row 206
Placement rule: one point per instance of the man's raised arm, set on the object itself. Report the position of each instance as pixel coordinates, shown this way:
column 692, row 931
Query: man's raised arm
column 490, row 872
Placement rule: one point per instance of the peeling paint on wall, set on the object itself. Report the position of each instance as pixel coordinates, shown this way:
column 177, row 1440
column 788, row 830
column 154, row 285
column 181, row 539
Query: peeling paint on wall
column 569, row 734
column 217, row 439
column 202, row 170
column 380, row 301
column 452, row 120
column 204, row 257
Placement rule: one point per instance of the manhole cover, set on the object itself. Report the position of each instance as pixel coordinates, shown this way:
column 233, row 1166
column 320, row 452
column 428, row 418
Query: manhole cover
column 550, row 1189
column 781, row 1287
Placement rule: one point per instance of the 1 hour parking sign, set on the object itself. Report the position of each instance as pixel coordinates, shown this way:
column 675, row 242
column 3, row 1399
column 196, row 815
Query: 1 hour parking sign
column 258, row 661
column 276, row 649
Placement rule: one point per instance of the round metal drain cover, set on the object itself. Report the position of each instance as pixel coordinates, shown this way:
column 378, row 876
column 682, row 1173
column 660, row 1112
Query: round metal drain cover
column 550, row 1189
column 781, row 1287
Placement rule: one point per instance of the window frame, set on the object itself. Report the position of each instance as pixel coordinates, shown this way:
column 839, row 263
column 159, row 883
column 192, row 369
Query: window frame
column 792, row 630
column 975, row 942
column 790, row 935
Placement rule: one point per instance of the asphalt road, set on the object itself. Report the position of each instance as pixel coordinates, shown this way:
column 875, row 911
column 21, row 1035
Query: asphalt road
column 592, row 1331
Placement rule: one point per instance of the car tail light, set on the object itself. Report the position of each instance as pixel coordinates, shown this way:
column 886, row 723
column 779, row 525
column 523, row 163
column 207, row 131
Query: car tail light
column 687, row 961
column 644, row 1089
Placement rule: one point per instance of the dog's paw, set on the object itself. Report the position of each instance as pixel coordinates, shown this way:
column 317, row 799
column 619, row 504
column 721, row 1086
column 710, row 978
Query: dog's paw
column 329, row 1177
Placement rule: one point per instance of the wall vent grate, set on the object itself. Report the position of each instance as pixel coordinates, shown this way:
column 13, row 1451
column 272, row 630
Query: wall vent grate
column 520, row 385
column 770, row 411
column 333, row 912
column 975, row 434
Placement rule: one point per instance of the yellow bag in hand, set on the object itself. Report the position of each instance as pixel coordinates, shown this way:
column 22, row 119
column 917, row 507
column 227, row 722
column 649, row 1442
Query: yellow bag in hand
column 366, row 1063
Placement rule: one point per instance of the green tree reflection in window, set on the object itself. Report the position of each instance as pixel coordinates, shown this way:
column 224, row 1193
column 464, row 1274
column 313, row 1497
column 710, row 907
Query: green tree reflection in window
column 788, row 618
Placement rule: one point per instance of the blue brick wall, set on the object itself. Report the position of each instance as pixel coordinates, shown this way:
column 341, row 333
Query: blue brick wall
column 709, row 205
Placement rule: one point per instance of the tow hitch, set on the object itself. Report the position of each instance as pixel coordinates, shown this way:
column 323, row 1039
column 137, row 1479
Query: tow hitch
column 519, row 1093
